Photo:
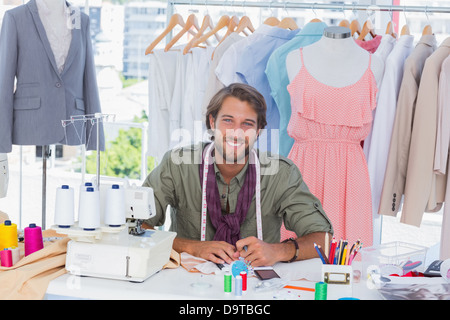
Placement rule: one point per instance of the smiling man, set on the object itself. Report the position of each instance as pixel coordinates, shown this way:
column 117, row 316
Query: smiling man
column 227, row 200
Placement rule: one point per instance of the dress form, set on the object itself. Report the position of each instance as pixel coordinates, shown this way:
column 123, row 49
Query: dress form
column 335, row 60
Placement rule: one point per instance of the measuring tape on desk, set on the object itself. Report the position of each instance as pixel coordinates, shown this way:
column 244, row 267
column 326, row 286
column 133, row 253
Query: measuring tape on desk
column 257, row 191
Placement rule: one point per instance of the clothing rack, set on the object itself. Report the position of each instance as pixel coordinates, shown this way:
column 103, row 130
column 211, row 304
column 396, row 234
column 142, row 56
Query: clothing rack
column 306, row 5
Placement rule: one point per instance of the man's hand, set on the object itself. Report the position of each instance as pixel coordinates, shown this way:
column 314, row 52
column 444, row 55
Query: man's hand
column 259, row 253
column 215, row 251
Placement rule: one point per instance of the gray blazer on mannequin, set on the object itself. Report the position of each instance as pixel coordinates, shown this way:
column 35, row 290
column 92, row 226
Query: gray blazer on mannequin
column 31, row 113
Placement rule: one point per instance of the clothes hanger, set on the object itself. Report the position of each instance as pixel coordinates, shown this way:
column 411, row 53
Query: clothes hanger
column 175, row 20
column 405, row 28
column 344, row 23
column 355, row 27
column 288, row 23
column 367, row 28
column 245, row 23
column 223, row 22
column 315, row 19
column 272, row 21
column 191, row 21
column 427, row 29
column 232, row 25
column 206, row 23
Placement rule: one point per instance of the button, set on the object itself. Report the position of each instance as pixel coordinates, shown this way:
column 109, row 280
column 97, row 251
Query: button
column 395, row 195
column 58, row 85
column 316, row 205
column 224, row 196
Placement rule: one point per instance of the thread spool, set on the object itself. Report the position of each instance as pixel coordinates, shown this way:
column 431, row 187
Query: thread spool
column 33, row 239
column 6, row 258
column 243, row 274
column 321, row 291
column 64, row 207
column 89, row 209
column 115, row 206
column 227, row 284
column 238, row 286
column 8, row 235
column 15, row 251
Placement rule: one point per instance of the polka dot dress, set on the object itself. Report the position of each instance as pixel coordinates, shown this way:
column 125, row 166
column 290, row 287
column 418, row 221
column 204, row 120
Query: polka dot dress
column 328, row 124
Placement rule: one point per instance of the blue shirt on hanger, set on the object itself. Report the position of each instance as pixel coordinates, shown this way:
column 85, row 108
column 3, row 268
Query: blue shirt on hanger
column 278, row 78
column 251, row 70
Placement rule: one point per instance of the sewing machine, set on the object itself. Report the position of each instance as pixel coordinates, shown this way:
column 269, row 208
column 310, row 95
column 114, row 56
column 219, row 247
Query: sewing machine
column 127, row 252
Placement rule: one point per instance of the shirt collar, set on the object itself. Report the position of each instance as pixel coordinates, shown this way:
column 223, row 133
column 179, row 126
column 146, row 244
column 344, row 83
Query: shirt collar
column 406, row 40
column 274, row 31
column 240, row 177
column 428, row 39
column 312, row 29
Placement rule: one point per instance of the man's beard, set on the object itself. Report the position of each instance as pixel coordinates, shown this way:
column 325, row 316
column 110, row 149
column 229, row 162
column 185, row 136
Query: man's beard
column 232, row 156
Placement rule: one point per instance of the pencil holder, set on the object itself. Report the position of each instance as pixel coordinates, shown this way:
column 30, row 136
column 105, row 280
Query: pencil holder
column 339, row 279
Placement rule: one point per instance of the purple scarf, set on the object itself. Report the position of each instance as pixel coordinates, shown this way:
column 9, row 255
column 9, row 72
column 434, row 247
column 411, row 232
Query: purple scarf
column 228, row 226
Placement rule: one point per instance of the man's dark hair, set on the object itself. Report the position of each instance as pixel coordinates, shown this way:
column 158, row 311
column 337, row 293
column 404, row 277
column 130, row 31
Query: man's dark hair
column 242, row 92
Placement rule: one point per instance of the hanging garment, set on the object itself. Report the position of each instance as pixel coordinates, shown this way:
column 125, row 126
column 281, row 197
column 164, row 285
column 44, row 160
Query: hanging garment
column 328, row 124
column 387, row 43
column 226, row 69
column 383, row 122
column 424, row 190
column 161, row 83
column 214, row 84
column 32, row 114
column 188, row 110
column 386, row 46
column 251, row 70
column 370, row 45
column 442, row 147
column 397, row 162
column 277, row 76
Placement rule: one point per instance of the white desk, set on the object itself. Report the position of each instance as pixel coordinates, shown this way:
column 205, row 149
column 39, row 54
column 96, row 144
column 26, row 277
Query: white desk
column 179, row 284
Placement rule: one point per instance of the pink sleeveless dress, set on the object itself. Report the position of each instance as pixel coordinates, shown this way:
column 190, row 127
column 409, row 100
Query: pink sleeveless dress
column 328, row 124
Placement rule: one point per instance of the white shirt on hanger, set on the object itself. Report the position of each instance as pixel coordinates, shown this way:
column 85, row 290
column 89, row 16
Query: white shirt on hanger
column 213, row 84
column 385, row 115
column 161, row 83
column 197, row 67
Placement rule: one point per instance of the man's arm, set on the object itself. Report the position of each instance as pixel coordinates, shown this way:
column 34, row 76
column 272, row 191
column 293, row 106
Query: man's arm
column 260, row 253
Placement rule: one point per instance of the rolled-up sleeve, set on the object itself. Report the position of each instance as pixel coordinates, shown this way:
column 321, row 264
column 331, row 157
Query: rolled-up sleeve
column 161, row 180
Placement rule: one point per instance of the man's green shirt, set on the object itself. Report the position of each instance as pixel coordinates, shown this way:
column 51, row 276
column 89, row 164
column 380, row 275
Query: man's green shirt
column 284, row 196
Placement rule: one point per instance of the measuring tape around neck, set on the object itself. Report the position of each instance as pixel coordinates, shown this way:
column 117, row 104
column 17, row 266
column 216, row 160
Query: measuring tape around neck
column 257, row 191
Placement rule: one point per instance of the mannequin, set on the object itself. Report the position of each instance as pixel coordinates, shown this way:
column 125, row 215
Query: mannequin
column 332, row 100
column 335, row 60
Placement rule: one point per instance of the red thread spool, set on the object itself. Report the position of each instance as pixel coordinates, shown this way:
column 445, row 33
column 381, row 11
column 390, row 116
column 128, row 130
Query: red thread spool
column 33, row 239
column 243, row 274
column 6, row 257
